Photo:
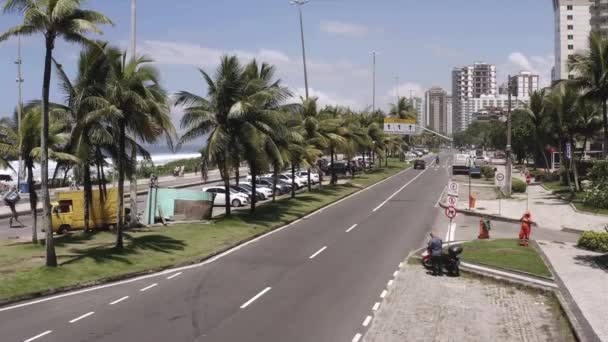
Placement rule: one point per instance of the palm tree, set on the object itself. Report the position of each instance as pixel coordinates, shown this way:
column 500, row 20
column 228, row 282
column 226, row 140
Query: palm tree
column 307, row 124
column 591, row 67
column 588, row 122
column 53, row 19
column 210, row 117
column 403, row 109
column 333, row 130
column 28, row 136
column 133, row 89
column 536, row 111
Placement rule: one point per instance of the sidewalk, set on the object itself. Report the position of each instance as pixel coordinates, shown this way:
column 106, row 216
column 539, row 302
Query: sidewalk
column 421, row 307
column 548, row 210
column 585, row 279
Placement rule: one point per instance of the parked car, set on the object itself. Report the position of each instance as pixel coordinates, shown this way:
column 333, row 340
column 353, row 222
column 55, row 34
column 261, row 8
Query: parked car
column 419, row 164
column 481, row 160
column 314, row 177
column 339, row 167
column 411, row 155
column 240, row 189
column 299, row 181
column 262, row 191
column 281, row 189
column 237, row 199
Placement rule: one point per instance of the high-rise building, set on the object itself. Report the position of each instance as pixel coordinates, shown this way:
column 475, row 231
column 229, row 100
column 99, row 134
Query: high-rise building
column 573, row 20
column 523, row 84
column 599, row 16
column 449, row 115
column 418, row 104
column 436, row 109
column 470, row 82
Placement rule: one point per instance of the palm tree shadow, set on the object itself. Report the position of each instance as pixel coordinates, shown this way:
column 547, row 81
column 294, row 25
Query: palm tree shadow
column 107, row 252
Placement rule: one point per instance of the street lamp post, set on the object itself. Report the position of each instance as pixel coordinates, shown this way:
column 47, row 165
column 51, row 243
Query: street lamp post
column 133, row 182
column 373, row 81
column 508, row 150
column 133, row 28
column 19, row 80
column 299, row 3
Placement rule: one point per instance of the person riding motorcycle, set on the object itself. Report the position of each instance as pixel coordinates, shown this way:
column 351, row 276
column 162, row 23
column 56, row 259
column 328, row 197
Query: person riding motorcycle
column 437, row 160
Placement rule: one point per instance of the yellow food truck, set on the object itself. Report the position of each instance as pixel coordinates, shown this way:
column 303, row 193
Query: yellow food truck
column 67, row 212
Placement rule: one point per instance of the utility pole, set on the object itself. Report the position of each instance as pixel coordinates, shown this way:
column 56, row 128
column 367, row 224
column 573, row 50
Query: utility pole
column 373, row 81
column 133, row 28
column 397, row 91
column 133, row 183
column 508, row 151
column 299, row 3
column 20, row 173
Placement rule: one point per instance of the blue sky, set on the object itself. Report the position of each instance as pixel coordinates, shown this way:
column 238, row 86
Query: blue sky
column 418, row 40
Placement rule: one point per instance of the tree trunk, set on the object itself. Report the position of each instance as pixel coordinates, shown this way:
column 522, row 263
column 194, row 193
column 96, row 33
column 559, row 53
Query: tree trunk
column 99, row 188
column 386, row 159
column 566, row 163
column 237, row 174
column 51, row 257
column 574, row 167
column 605, row 119
column 334, row 177
column 309, row 185
column 133, row 187
column 87, row 195
column 223, row 165
column 65, row 176
column 275, row 175
column 53, row 185
column 103, row 180
column 121, row 183
column 293, row 179
column 253, row 188
column 33, row 201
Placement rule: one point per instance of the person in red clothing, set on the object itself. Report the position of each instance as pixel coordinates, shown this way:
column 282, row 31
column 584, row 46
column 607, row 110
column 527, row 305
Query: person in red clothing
column 526, row 226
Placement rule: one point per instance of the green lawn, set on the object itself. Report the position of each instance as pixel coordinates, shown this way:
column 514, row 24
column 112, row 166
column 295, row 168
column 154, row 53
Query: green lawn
column 87, row 258
column 577, row 199
column 505, row 253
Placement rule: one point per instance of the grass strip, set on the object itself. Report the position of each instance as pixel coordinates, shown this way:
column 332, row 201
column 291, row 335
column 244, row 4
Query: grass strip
column 91, row 258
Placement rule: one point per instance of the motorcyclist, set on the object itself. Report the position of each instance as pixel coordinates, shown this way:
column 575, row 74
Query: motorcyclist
column 437, row 160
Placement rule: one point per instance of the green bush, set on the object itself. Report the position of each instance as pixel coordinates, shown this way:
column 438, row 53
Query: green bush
column 596, row 241
column 542, row 176
column 487, row 172
column 518, row 185
column 597, row 196
column 598, row 173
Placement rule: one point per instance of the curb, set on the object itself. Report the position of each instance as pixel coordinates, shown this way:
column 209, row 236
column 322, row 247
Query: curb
column 492, row 216
column 190, row 262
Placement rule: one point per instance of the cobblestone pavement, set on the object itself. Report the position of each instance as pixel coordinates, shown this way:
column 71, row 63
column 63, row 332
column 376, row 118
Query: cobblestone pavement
column 425, row 308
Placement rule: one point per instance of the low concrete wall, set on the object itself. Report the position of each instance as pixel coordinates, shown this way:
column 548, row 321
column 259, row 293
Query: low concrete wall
column 163, row 200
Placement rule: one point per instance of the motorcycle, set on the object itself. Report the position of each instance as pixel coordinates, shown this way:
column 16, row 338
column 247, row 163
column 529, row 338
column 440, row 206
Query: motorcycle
column 450, row 261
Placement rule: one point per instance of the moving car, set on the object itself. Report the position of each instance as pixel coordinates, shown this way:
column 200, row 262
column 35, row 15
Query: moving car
column 461, row 164
column 419, row 164
column 237, row 199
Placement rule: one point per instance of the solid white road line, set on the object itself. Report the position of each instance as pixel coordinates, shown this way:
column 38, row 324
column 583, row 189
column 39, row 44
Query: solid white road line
column 148, row 287
column 399, row 190
column 255, row 297
column 119, row 300
column 182, row 268
column 367, row 320
column 357, row 338
column 81, row 317
column 175, row 275
column 383, row 294
column 376, row 306
column 351, row 227
column 38, row 336
column 317, row 252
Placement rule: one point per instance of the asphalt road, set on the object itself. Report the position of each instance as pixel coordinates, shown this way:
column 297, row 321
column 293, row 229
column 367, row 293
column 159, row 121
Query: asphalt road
column 314, row 280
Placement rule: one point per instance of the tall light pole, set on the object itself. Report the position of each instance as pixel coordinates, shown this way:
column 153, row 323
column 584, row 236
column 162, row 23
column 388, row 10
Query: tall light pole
column 508, row 150
column 133, row 28
column 299, row 3
column 397, row 91
column 373, row 81
column 19, row 80
column 133, row 181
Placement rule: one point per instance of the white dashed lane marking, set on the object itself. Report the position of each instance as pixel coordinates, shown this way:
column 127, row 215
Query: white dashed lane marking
column 317, row 252
column 148, row 287
column 247, row 303
column 38, row 336
column 119, row 300
column 82, row 317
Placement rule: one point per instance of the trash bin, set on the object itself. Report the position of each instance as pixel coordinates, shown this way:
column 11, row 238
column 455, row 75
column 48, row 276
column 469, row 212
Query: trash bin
column 24, row 188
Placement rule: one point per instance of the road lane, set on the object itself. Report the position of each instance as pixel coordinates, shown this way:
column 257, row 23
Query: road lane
column 206, row 300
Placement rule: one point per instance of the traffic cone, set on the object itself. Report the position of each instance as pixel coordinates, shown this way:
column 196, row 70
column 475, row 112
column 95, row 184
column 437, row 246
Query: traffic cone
column 483, row 231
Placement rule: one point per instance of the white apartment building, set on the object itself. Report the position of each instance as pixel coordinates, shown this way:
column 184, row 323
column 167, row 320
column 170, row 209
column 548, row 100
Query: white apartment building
column 572, row 28
column 599, row 16
column 418, row 104
column 449, row 117
column 524, row 83
column 476, row 105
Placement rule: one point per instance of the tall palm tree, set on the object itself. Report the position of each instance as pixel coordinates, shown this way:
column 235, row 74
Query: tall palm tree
column 333, row 130
column 133, row 89
column 588, row 122
column 306, row 118
column 536, row 111
column 209, row 117
column 52, row 19
column 591, row 67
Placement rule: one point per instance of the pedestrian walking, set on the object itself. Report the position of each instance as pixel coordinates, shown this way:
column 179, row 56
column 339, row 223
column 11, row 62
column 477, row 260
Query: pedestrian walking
column 435, row 249
column 11, row 198
column 526, row 228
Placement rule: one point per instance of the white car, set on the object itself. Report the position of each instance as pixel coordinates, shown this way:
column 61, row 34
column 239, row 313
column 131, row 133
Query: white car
column 411, row 155
column 236, row 199
column 267, row 192
column 314, row 177
column 300, row 183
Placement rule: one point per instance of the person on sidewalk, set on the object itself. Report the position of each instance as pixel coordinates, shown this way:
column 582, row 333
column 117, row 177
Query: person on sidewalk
column 436, row 250
column 526, row 227
column 11, row 198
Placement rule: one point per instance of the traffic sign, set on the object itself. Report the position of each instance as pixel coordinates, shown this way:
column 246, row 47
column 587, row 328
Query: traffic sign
column 399, row 126
column 453, row 189
column 500, row 179
column 450, row 212
column 452, row 201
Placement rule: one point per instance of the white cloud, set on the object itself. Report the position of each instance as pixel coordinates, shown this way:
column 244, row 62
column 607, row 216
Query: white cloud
column 403, row 90
column 518, row 61
column 327, row 99
column 343, row 28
